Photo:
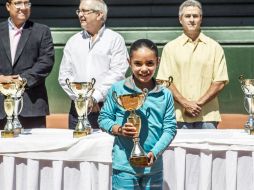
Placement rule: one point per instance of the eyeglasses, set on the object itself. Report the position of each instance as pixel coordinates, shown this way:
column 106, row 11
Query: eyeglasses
column 20, row 4
column 85, row 12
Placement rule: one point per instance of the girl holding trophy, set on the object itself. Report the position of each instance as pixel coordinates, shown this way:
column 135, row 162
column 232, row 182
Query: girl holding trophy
column 153, row 105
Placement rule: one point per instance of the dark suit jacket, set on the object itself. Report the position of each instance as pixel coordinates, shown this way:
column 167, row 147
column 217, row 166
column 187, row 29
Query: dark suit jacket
column 34, row 60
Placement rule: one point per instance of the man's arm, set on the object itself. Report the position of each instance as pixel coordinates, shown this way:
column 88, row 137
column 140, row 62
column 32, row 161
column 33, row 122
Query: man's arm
column 44, row 63
column 117, row 69
column 211, row 93
column 191, row 107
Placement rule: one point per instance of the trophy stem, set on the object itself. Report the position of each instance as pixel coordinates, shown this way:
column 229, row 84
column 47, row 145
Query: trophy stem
column 249, row 125
column 8, row 131
column 18, row 105
column 79, row 130
column 138, row 156
column 17, row 125
column 79, row 126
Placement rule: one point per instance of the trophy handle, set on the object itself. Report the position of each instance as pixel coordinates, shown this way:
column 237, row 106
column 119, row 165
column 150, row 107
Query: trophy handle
column 67, row 81
column 145, row 92
column 170, row 80
column 241, row 79
column 91, row 90
column 21, row 89
column 93, row 82
column 21, row 105
column 89, row 108
column 90, row 93
column 24, row 82
column 115, row 98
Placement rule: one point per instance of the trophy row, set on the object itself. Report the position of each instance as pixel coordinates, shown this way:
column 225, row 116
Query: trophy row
column 83, row 91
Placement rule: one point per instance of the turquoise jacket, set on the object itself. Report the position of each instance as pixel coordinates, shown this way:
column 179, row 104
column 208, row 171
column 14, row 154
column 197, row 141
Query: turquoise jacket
column 158, row 125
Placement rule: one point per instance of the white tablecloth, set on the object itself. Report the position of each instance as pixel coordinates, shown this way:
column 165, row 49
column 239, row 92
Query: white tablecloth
column 50, row 159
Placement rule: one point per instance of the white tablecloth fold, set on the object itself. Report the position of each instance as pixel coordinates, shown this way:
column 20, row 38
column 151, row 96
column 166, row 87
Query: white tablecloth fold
column 58, row 144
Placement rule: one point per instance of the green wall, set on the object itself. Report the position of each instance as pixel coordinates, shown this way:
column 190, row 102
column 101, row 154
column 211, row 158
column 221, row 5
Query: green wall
column 238, row 44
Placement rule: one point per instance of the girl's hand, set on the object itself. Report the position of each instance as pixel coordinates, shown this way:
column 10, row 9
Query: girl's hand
column 128, row 130
column 151, row 158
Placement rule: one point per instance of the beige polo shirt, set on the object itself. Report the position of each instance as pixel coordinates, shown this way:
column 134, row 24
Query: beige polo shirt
column 194, row 66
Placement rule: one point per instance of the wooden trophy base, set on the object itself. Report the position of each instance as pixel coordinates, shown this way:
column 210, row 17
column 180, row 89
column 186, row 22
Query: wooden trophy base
column 7, row 134
column 139, row 161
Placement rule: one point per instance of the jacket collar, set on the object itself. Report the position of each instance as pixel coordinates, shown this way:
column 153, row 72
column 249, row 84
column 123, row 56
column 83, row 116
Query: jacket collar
column 130, row 84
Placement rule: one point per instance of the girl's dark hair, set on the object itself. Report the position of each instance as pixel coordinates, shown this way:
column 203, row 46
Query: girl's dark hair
column 143, row 43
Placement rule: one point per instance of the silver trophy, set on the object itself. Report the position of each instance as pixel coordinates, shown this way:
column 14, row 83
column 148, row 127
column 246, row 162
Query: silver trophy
column 18, row 106
column 247, row 86
column 8, row 90
column 83, row 105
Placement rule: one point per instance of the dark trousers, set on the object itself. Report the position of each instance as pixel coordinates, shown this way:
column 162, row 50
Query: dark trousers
column 92, row 117
column 28, row 122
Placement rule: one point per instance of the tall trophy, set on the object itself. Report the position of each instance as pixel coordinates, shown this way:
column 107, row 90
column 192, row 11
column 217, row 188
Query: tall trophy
column 132, row 102
column 83, row 105
column 18, row 105
column 8, row 90
column 165, row 83
column 247, row 86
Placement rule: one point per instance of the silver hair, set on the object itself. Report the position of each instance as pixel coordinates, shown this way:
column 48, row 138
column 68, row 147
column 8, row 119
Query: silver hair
column 189, row 3
column 97, row 5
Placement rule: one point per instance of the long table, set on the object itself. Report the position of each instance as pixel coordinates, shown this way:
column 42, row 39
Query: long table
column 50, row 159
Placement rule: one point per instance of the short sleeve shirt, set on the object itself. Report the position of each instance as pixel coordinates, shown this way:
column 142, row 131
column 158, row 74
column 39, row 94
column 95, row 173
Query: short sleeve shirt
column 194, row 65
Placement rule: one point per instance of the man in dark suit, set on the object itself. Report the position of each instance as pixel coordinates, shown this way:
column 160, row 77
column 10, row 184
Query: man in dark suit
column 26, row 51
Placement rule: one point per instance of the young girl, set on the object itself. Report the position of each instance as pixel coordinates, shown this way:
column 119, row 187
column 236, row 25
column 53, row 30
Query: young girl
column 157, row 118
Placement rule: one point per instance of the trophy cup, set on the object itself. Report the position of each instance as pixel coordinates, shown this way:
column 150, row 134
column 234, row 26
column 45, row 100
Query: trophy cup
column 18, row 105
column 83, row 105
column 247, row 86
column 132, row 102
column 9, row 90
column 165, row 83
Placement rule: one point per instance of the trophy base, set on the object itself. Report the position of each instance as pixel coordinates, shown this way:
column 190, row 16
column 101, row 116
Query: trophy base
column 85, row 132
column 139, row 161
column 77, row 134
column 7, row 134
column 18, row 131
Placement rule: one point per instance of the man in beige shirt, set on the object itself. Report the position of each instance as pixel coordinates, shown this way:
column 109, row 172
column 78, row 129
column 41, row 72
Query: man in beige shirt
column 198, row 66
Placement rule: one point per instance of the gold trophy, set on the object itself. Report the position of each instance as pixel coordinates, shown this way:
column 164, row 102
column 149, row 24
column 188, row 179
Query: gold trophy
column 165, row 83
column 247, row 86
column 18, row 105
column 8, row 90
column 83, row 105
column 132, row 102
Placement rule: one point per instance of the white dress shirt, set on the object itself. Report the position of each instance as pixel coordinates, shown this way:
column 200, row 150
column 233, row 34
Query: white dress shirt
column 14, row 35
column 104, row 59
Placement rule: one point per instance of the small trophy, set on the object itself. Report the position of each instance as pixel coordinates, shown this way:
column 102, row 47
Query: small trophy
column 18, row 105
column 83, row 105
column 132, row 102
column 247, row 86
column 165, row 83
column 9, row 90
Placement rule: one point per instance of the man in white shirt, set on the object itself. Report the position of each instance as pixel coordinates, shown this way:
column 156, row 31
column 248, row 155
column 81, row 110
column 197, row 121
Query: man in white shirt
column 96, row 52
